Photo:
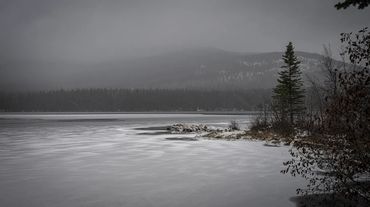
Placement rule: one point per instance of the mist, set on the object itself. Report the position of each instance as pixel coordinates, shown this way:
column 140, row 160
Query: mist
column 93, row 31
column 46, row 43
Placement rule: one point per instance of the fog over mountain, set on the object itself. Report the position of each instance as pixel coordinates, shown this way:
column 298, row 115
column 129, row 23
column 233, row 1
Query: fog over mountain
column 201, row 68
column 48, row 44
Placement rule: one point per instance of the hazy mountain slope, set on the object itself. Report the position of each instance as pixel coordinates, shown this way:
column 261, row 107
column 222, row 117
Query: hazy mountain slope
column 205, row 68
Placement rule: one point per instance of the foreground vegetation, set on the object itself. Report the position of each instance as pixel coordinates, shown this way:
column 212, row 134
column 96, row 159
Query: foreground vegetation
column 334, row 153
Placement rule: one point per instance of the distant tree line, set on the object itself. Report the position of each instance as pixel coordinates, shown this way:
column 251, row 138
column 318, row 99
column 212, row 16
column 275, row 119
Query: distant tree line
column 116, row 100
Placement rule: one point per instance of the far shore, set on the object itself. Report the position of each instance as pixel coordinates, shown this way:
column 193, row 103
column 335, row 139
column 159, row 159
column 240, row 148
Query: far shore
column 146, row 112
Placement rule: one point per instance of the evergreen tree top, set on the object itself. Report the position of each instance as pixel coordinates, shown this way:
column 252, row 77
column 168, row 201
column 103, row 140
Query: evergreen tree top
column 289, row 57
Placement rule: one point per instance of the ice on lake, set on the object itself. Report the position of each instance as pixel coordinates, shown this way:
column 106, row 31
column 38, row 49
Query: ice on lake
column 112, row 160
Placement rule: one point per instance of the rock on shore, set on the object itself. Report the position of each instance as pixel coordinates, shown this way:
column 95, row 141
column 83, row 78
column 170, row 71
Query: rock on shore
column 188, row 128
column 208, row 132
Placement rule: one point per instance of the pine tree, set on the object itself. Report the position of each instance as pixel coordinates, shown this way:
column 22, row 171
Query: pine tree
column 289, row 93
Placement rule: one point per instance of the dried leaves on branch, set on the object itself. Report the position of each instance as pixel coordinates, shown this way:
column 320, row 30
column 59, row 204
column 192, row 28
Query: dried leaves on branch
column 360, row 4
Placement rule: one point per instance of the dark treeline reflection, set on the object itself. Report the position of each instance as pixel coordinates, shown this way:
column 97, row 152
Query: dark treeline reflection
column 95, row 100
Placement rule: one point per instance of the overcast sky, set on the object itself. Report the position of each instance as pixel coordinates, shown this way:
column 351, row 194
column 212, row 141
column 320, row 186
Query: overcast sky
column 97, row 30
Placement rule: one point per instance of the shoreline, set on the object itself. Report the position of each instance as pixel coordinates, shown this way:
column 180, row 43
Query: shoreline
column 141, row 112
column 214, row 133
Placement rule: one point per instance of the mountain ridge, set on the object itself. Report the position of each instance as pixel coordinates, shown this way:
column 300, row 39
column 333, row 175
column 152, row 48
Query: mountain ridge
column 199, row 68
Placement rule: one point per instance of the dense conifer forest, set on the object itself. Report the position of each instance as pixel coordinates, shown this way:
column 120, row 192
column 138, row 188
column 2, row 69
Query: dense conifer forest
column 130, row 100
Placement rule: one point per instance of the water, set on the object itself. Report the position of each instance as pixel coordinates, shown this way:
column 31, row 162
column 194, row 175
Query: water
column 104, row 160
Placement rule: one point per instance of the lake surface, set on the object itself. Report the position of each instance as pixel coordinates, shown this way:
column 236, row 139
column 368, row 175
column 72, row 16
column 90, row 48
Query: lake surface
column 105, row 160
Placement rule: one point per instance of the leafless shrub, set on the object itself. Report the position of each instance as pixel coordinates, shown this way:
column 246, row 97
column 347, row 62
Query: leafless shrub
column 263, row 120
column 234, row 125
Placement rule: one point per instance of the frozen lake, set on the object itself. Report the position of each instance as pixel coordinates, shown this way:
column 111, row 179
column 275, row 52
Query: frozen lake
column 104, row 160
